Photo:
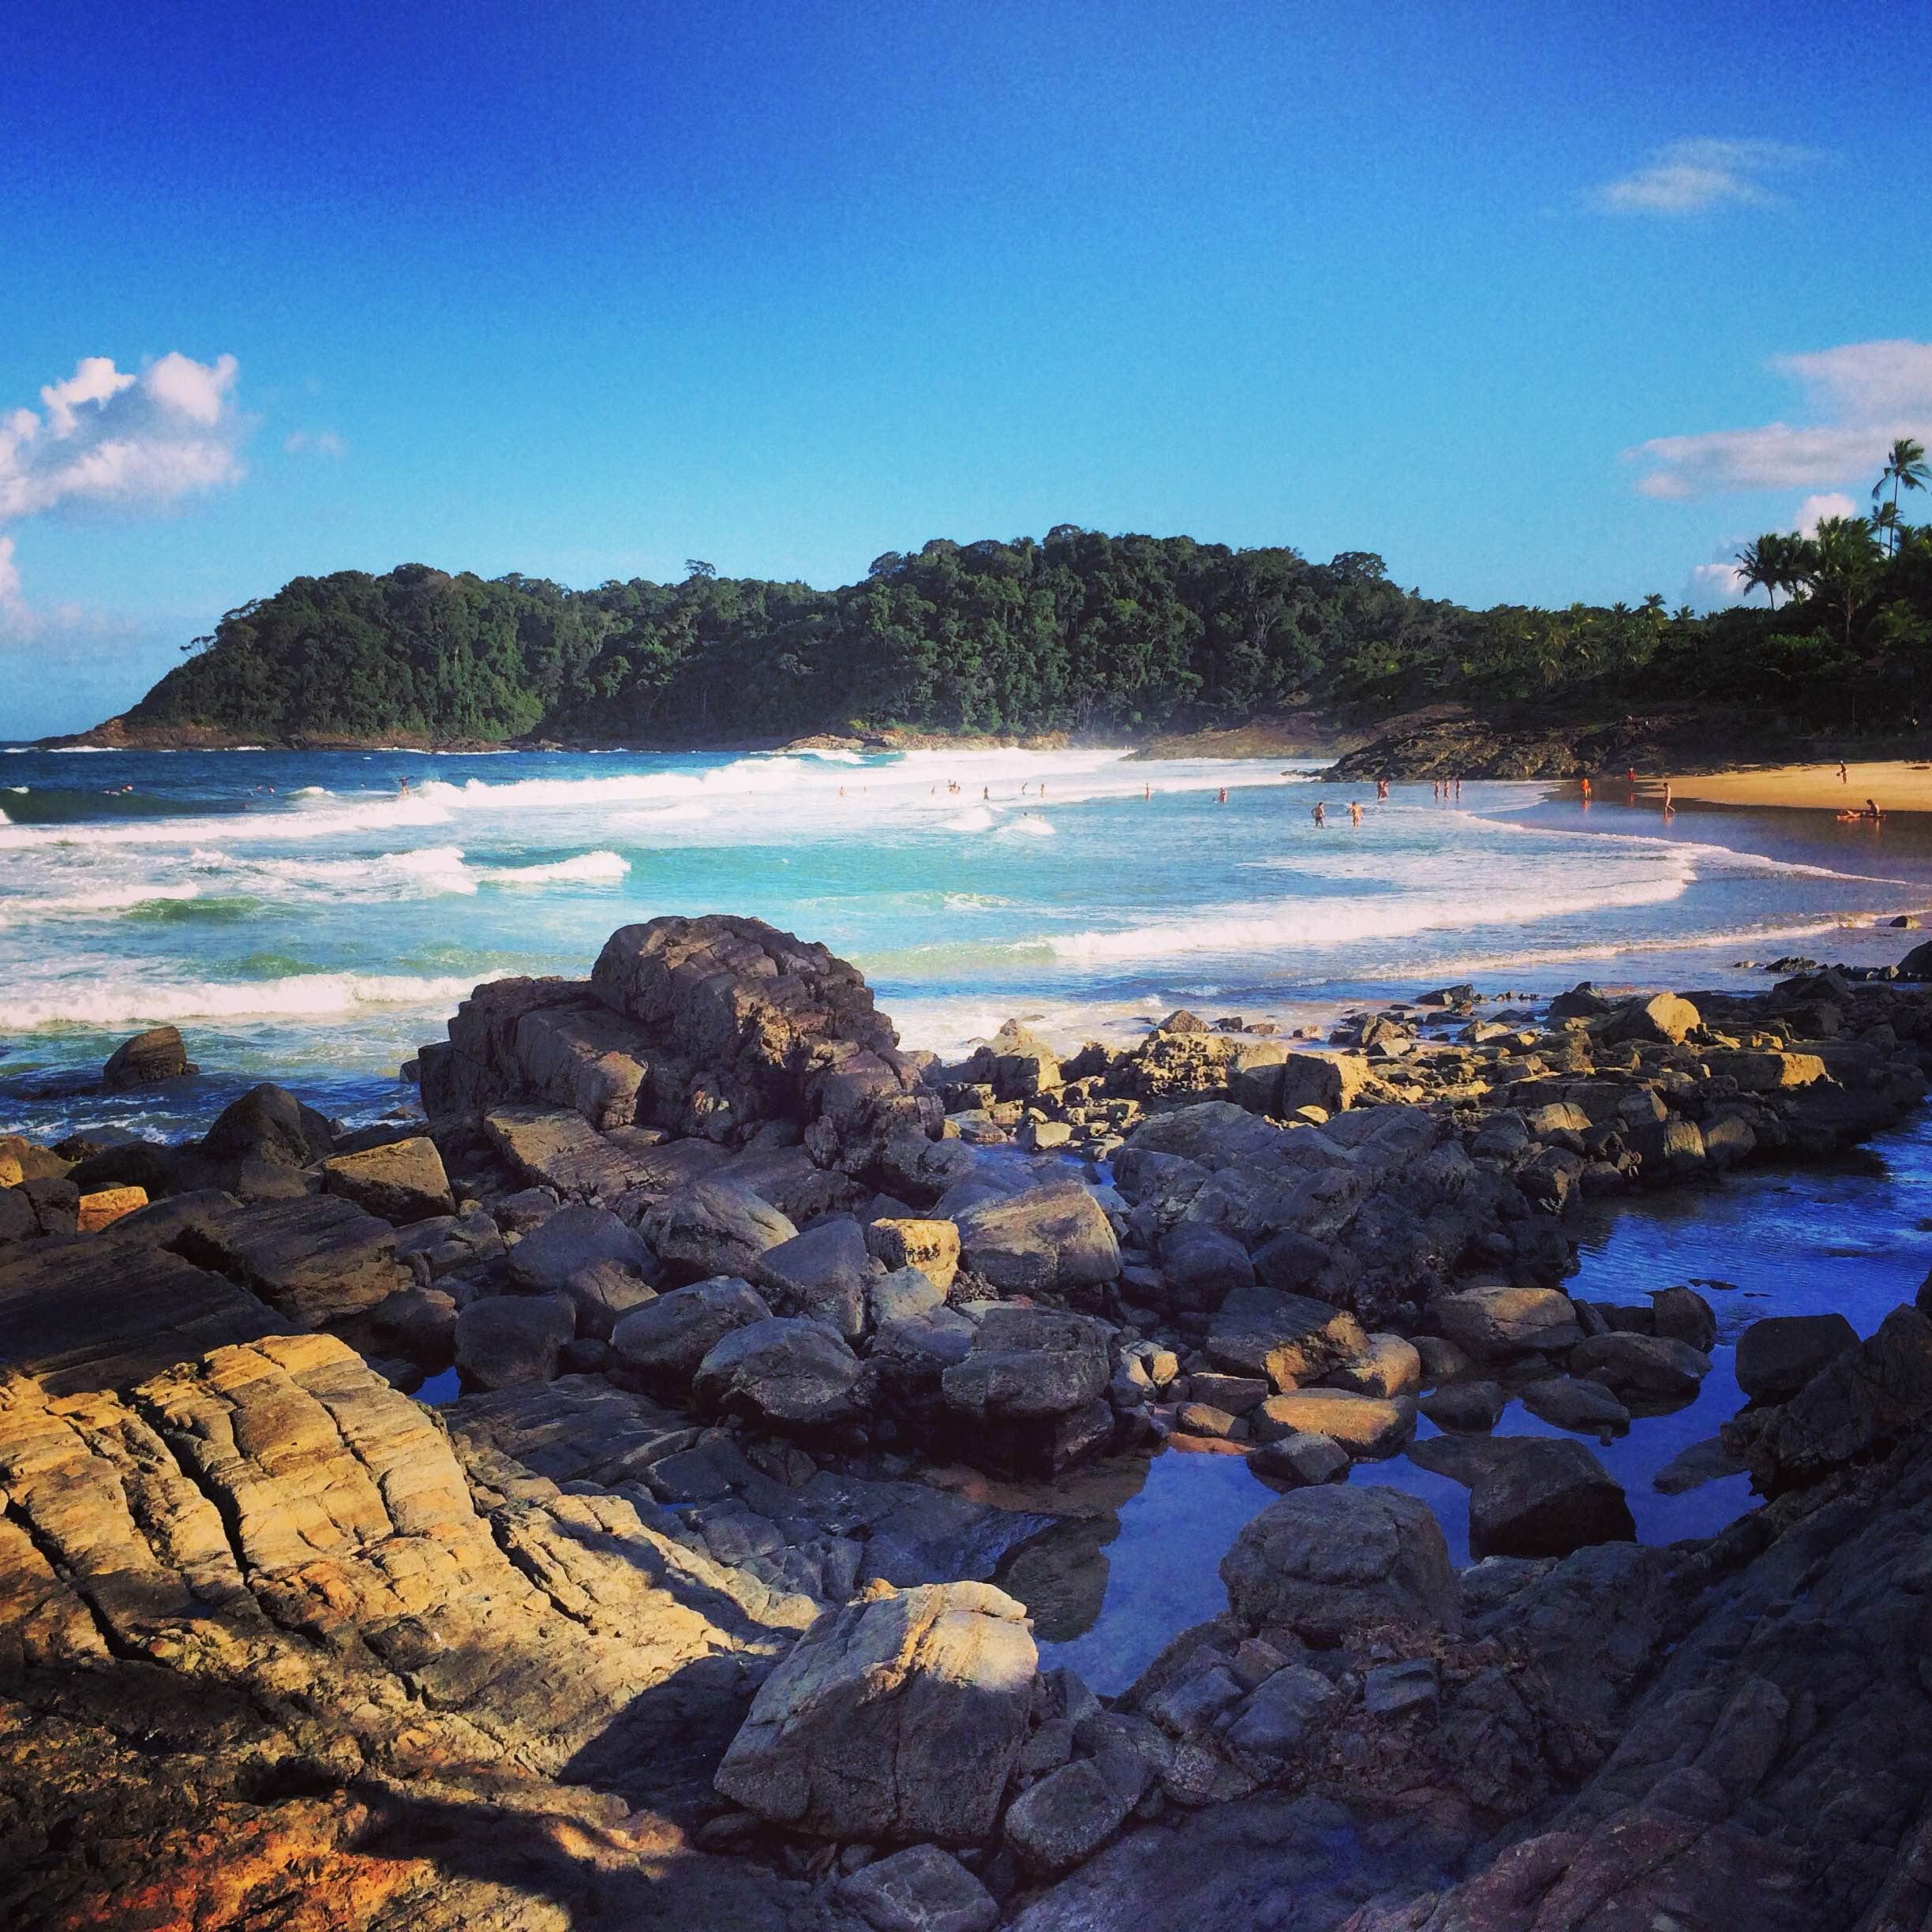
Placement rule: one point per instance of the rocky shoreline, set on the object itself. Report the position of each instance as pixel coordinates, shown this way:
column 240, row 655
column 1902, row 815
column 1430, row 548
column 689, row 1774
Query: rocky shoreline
column 775, row 1343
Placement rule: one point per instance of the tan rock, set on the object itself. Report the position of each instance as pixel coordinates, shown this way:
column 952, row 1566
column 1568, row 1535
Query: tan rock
column 103, row 1209
column 932, row 1247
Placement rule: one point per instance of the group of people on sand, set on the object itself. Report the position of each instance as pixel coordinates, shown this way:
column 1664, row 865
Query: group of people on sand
column 1872, row 813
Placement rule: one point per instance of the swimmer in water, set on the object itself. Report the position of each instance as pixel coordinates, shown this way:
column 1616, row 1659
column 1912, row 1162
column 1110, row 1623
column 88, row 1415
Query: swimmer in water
column 1381, row 787
column 1354, row 813
column 1223, row 799
column 1585, row 790
column 1320, row 814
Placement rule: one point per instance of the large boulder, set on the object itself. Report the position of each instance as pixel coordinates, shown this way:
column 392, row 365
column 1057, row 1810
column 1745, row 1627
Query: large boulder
column 931, row 1246
column 314, row 1258
column 146, row 1059
column 1330, row 1081
column 661, row 1344
column 1644, row 1364
column 508, row 1339
column 897, row 1717
column 756, row 1025
column 1066, row 1817
column 1365, row 1425
column 1493, row 1323
column 1856, row 1407
column 822, row 1273
column 1323, row 1562
column 402, row 1182
column 1027, row 1363
column 1290, row 1339
column 1048, row 1239
column 1545, row 1497
column 714, row 1227
column 1776, row 1357
column 588, row 1254
column 920, row 1889
column 269, row 1125
column 1664, row 1017
column 784, row 1373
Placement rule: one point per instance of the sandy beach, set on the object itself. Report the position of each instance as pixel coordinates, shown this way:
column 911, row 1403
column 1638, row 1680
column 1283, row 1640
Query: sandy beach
column 1898, row 785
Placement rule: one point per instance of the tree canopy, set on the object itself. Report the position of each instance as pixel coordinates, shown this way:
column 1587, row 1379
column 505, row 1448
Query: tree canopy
column 1081, row 631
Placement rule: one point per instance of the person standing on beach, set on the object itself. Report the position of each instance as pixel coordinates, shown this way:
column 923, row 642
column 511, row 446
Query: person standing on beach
column 1845, row 778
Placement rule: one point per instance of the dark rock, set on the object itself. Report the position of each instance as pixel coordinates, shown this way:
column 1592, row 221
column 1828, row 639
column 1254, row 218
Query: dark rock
column 1858, row 1405
column 785, row 1373
column 897, row 1718
column 1325, row 1561
column 661, row 1344
column 603, row 1268
column 822, row 1273
column 1651, row 1365
column 1052, row 1239
column 1587, row 1407
column 401, row 1182
column 269, row 1125
column 1776, row 1357
column 920, row 1889
column 506, row 1339
column 1469, row 1407
column 713, row 1228
column 1066, row 1817
column 1682, row 1314
column 1546, row 1498
column 148, row 1058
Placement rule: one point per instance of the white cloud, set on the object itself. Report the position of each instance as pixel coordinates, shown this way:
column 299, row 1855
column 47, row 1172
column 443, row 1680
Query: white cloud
column 1814, row 510
column 138, row 442
column 95, row 379
column 1868, row 394
column 1714, row 584
column 320, row 442
column 1692, row 176
column 130, row 441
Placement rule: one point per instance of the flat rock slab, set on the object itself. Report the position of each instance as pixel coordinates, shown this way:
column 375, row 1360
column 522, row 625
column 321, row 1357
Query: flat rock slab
column 401, row 1182
column 550, row 1148
column 317, row 1258
column 91, row 1312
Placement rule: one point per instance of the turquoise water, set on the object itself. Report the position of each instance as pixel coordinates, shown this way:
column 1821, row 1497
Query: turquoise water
column 299, row 916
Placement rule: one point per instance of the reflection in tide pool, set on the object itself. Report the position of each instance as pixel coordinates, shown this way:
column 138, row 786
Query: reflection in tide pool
column 1855, row 1236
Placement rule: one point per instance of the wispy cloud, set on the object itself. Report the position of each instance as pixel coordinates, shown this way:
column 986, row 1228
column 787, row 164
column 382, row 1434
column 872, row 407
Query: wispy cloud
column 1864, row 394
column 316, row 443
column 1692, row 176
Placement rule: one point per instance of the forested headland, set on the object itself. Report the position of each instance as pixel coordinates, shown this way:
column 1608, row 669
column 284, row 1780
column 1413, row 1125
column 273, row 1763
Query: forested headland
column 1116, row 636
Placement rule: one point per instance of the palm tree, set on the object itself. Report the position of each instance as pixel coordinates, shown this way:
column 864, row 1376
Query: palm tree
column 1905, row 466
column 1762, row 564
column 1840, row 569
column 1887, row 521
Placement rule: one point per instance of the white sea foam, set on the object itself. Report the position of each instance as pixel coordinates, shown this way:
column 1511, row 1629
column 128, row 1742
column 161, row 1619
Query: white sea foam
column 1325, row 923
column 1031, row 826
column 979, row 819
column 591, row 867
column 140, row 1001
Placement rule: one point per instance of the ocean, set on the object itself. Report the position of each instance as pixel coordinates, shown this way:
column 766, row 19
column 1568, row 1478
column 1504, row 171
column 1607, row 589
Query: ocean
column 312, row 917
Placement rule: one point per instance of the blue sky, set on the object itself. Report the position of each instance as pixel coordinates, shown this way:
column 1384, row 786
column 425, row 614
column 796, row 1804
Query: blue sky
column 585, row 290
